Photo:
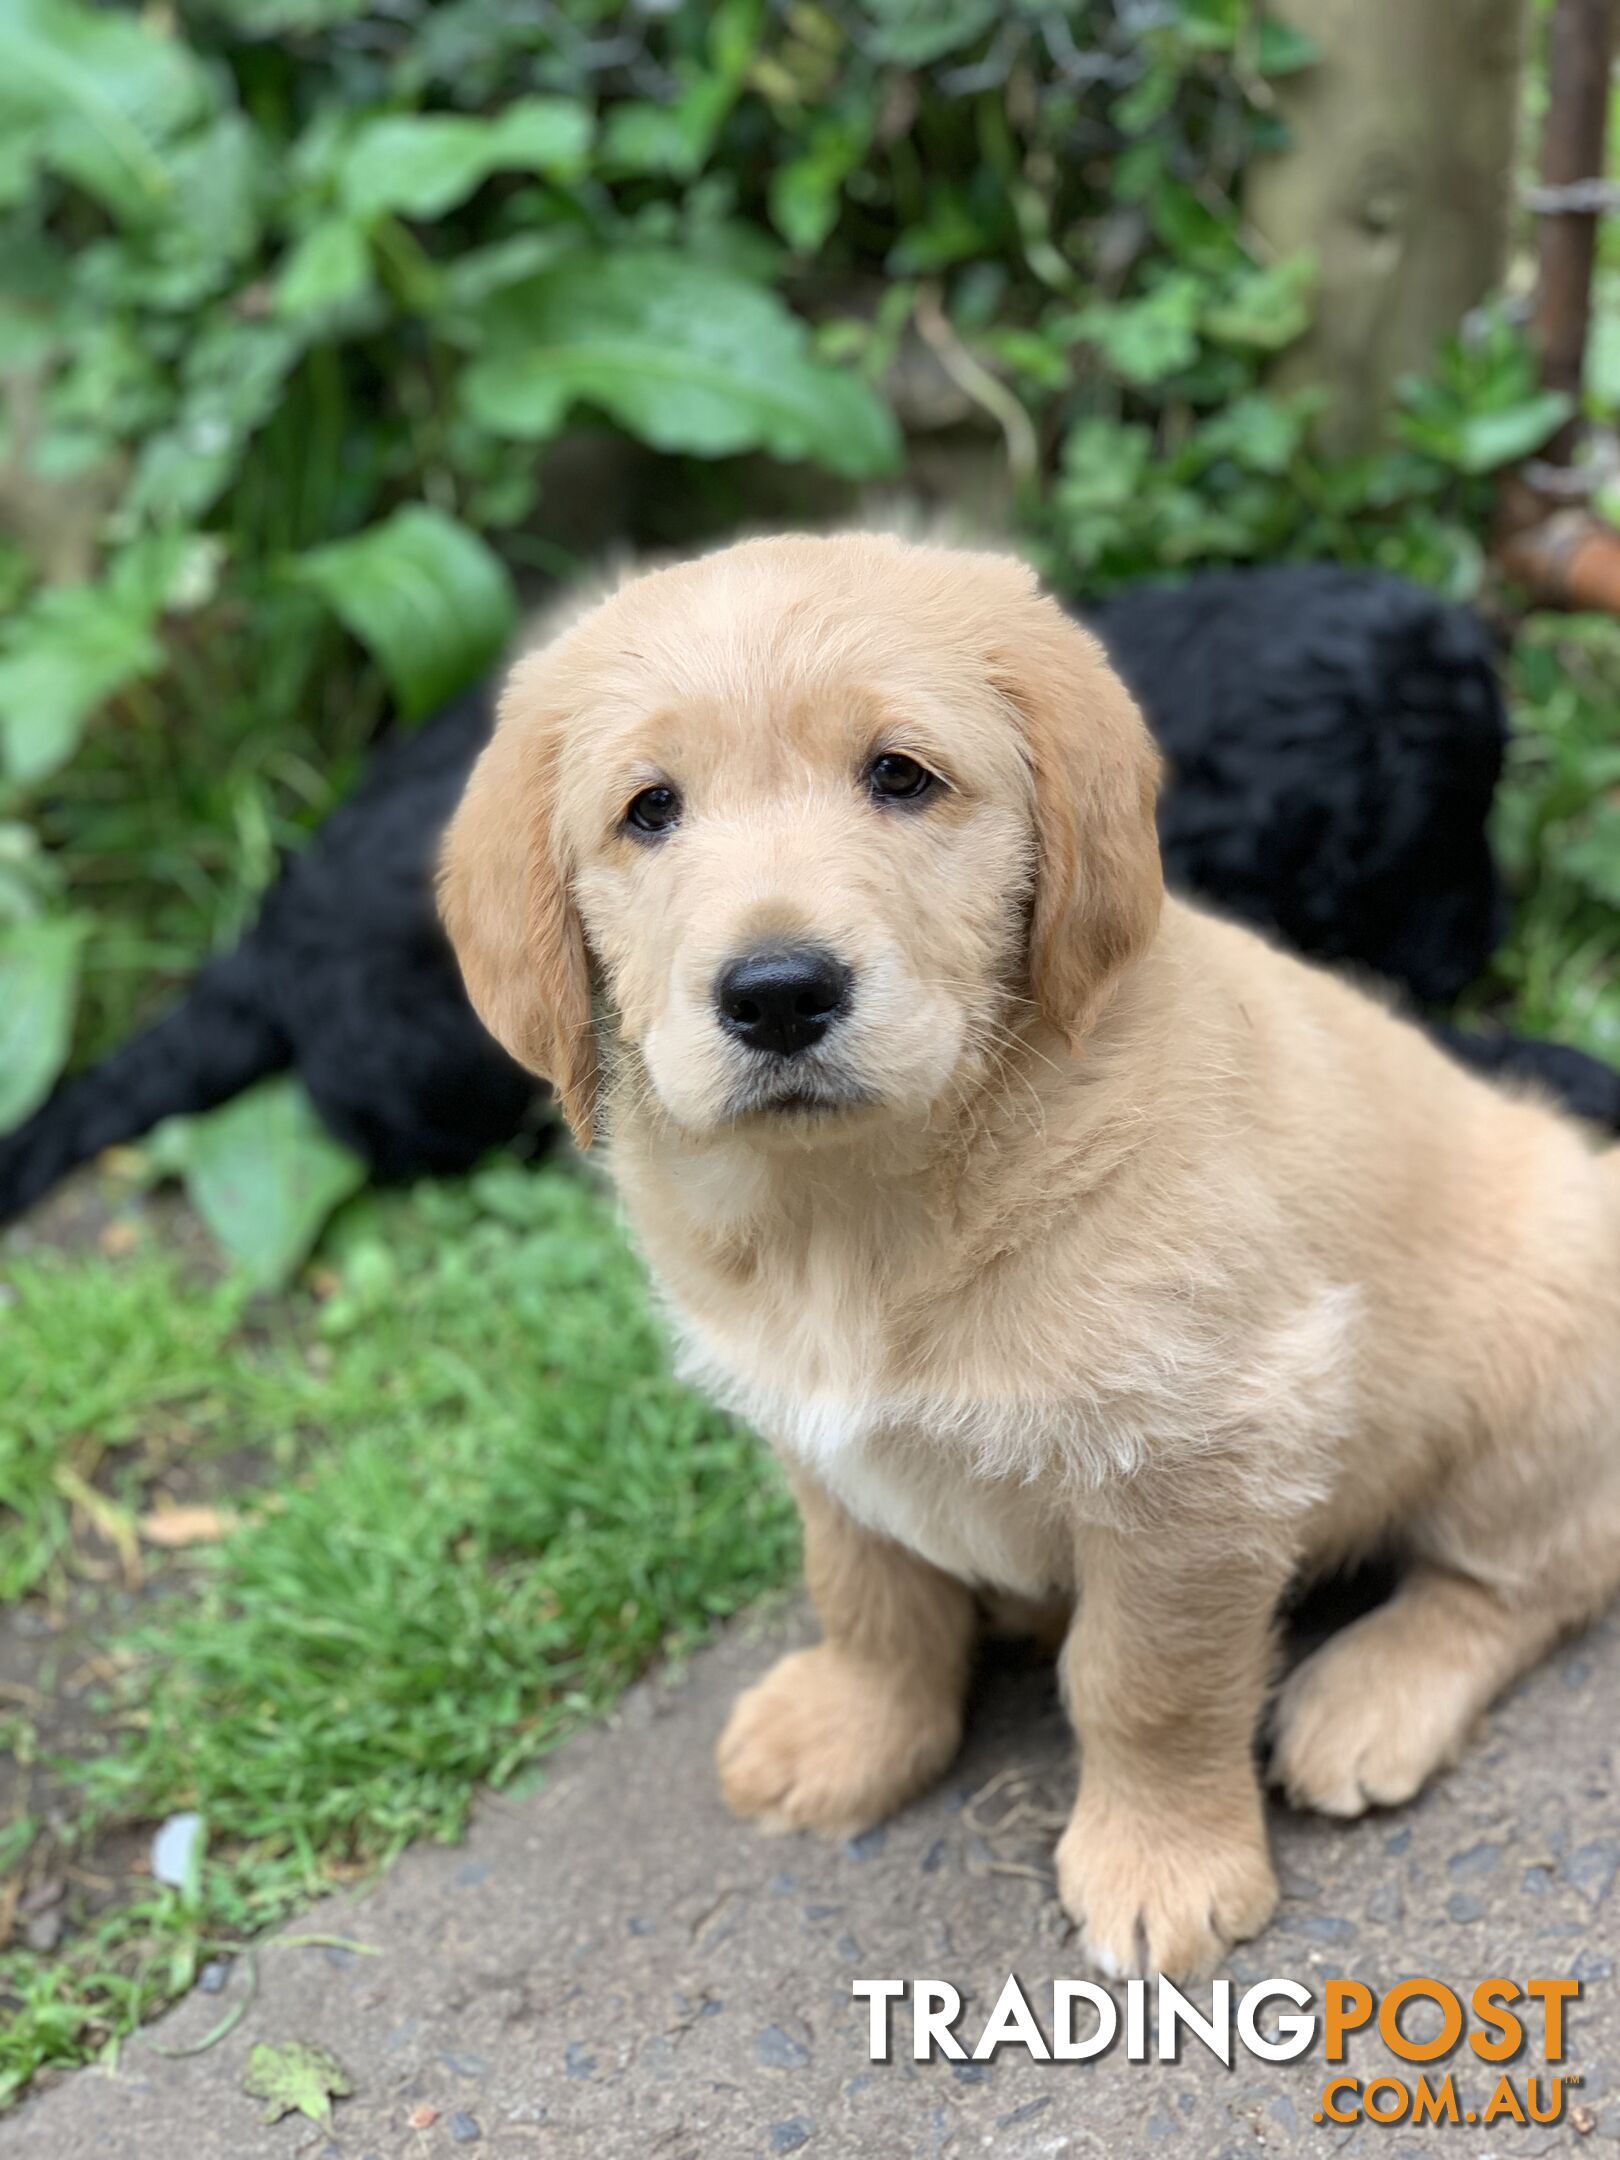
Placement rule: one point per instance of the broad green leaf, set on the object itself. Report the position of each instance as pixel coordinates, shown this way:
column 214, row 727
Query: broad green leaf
column 1603, row 345
column 684, row 354
column 223, row 177
column 1282, row 50
column 640, row 137
column 39, row 977
column 1212, row 25
column 67, row 652
column 264, row 1174
column 100, row 93
column 166, row 573
column 1487, row 440
column 30, row 875
column 295, row 2076
column 424, row 595
column 328, row 268
column 422, row 164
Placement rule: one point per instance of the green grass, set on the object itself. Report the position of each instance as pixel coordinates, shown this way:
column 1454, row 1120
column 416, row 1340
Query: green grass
column 500, row 1508
column 104, row 1373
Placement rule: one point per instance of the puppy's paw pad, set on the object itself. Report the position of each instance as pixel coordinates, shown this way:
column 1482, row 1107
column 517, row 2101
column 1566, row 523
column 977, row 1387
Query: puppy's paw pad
column 1153, row 1898
column 827, row 1743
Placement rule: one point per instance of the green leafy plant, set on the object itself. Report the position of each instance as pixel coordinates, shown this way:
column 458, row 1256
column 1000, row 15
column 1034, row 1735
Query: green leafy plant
column 298, row 294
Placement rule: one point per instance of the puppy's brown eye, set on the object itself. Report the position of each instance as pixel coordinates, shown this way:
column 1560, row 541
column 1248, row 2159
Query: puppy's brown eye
column 655, row 810
column 897, row 778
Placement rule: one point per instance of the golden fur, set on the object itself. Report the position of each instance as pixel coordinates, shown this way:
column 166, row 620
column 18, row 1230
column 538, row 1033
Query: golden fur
column 1150, row 1264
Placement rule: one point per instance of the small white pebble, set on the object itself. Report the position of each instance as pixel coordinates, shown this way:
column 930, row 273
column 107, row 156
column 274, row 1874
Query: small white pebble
column 173, row 1848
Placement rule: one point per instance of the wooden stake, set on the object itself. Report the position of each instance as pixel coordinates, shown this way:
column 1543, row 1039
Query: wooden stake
column 1572, row 160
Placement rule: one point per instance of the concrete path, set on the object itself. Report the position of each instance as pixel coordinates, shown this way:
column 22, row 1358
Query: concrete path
column 611, row 1969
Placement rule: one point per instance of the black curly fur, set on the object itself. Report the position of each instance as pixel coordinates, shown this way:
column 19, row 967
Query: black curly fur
column 345, row 975
column 1334, row 738
column 1584, row 1085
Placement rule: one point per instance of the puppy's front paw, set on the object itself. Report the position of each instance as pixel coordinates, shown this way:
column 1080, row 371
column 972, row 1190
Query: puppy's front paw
column 1155, row 1896
column 829, row 1742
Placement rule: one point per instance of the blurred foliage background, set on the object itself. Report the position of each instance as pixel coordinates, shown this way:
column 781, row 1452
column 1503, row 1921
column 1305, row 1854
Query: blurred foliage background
column 324, row 326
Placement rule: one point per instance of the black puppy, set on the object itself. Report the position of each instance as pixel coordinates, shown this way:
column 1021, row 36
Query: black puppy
column 1333, row 740
column 344, row 976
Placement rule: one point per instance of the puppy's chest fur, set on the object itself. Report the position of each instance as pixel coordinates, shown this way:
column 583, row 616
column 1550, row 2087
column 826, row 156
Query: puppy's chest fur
column 932, row 1468
column 975, row 1416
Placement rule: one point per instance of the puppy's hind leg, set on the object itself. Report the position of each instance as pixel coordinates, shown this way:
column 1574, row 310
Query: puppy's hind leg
column 1368, row 1718
column 837, row 1737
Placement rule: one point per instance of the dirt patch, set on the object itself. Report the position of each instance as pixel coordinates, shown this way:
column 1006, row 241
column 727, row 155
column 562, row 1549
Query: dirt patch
column 57, row 1677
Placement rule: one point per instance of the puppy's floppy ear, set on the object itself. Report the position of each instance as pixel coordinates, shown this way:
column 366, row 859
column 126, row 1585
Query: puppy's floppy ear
column 504, row 896
column 1099, row 884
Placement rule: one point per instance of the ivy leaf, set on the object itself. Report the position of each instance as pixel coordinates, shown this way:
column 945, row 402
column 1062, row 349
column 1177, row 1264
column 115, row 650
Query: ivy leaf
column 296, row 2076
column 422, row 164
column 39, row 976
column 686, row 355
column 1105, row 465
column 424, row 595
column 264, row 1174
column 1144, row 341
column 1259, row 432
column 1265, row 309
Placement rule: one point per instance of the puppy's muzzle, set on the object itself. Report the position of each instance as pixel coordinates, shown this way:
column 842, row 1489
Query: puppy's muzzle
column 782, row 999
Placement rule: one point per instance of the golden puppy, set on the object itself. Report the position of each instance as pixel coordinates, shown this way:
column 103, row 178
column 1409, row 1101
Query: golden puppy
column 1060, row 1238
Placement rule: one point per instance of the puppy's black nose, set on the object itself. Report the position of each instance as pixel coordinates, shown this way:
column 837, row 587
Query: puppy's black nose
column 782, row 998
